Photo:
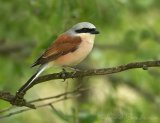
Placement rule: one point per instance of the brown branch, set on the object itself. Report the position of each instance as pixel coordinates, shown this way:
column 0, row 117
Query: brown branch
column 78, row 90
column 92, row 72
column 39, row 106
column 6, row 109
column 10, row 98
column 6, row 96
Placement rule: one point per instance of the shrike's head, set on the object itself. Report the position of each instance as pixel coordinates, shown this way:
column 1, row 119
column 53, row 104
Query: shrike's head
column 83, row 28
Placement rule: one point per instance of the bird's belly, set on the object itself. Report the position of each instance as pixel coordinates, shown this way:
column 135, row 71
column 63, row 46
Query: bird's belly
column 73, row 58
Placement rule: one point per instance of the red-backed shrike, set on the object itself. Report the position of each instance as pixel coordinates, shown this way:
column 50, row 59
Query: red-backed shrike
column 69, row 49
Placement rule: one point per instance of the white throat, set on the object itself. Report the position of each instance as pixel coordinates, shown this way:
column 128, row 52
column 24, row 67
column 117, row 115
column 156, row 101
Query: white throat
column 86, row 37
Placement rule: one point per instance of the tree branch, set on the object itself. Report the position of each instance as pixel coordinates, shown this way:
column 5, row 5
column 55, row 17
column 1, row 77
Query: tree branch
column 63, row 96
column 78, row 74
column 92, row 72
column 39, row 106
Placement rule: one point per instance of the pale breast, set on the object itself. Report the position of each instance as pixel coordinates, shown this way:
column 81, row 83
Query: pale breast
column 73, row 58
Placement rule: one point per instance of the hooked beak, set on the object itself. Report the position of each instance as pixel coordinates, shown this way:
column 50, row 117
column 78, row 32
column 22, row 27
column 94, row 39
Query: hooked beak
column 95, row 32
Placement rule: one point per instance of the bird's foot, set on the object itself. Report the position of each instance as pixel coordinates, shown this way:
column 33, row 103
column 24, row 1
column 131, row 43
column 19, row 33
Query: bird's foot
column 63, row 74
column 75, row 70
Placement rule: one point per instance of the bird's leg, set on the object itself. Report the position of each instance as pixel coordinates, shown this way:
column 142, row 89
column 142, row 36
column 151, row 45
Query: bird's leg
column 63, row 74
column 74, row 69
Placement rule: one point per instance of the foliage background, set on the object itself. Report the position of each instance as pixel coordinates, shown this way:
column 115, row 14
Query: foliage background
column 129, row 32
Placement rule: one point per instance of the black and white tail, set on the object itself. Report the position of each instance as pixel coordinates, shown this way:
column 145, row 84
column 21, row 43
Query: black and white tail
column 33, row 77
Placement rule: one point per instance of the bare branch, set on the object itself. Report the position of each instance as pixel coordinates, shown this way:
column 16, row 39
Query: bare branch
column 58, row 96
column 6, row 96
column 39, row 106
column 92, row 72
column 62, row 96
column 79, row 74
column 6, row 109
column 10, row 98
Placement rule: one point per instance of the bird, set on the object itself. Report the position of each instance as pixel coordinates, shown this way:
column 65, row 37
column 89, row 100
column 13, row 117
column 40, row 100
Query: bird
column 69, row 49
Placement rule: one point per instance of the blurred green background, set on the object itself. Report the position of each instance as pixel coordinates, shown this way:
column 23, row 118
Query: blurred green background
column 129, row 32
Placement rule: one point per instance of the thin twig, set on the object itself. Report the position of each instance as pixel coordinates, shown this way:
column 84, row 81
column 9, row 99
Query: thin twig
column 78, row 90
column 59, row 95
column 6, row 109
column 39, row 106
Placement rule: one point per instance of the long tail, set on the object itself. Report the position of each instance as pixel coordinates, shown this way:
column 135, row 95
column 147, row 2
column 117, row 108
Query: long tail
column 31, row 80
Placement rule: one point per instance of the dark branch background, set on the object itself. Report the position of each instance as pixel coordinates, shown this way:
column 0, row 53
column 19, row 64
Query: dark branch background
column 129, row 33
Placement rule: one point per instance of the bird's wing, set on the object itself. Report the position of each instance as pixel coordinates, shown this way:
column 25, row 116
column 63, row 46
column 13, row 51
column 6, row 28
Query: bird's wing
column 63, row 44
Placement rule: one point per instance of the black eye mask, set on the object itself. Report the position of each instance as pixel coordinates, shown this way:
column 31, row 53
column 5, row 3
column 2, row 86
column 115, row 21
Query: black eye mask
column 86, row 30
